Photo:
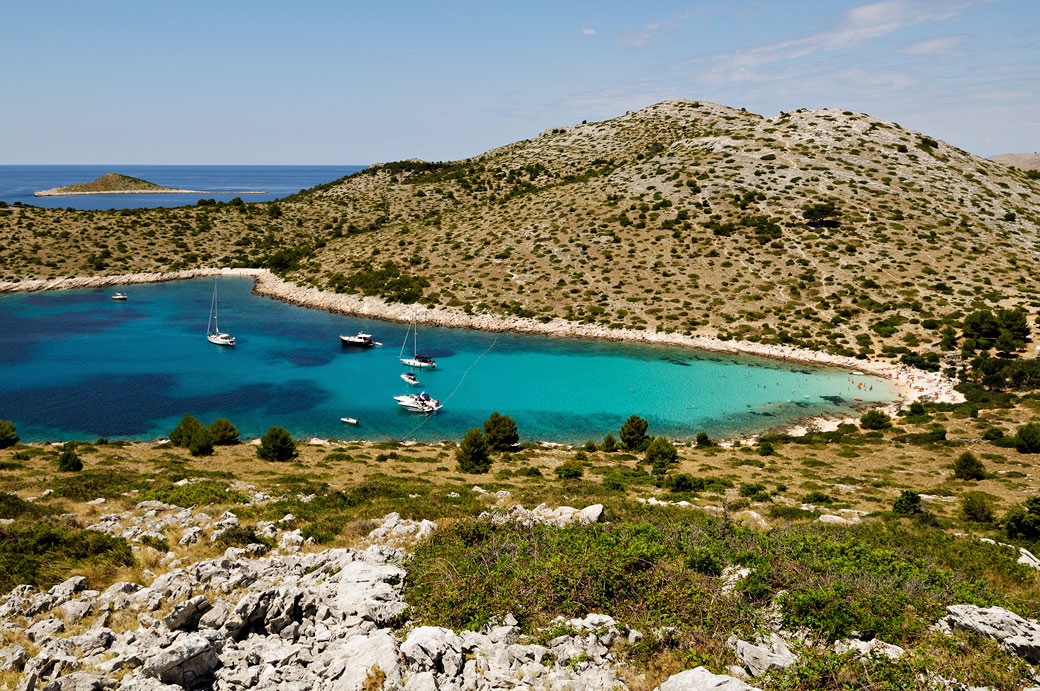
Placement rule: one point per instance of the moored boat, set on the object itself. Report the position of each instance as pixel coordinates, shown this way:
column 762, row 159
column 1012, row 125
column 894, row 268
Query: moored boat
column 213, row 333
column 418, row 403
column 416, row 360
column 119, row 296
column 362, row 340
column 410, row 378
column 350, row 420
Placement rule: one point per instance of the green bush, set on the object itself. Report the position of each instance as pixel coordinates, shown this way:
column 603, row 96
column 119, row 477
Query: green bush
column 223, row 432
column 703, row 440
column 68, row 460
column 240, row 536
column 473, row 454
column 1027, row 439
column 908, row 503
column 660, row 453
column 704, row 560
column 205, row 493
column 1023, row 521
column 276, row 444
column 570, row 470
column 967, row 467
column 609, row 443
column 42, row 554
column 765, row 448
column 817, row 497
column 8, row 434
column 633, row 434
column 875, row 419
column 191, row 434
column 13, row 506
column 977, row 507
column 500, row 432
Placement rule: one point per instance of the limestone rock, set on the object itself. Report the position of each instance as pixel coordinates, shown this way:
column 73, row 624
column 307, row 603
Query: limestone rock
column 875, row 647
column 186, row 615
column 700, row 679
column 759, row 658
column 1015, row 634
column 12, row 657
column 189, row 662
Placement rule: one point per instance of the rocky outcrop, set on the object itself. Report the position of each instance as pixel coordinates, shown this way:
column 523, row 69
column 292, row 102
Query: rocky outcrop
column 328, row 620
column 1015, row 634
column 700, row 679
column 764, row 655
column 560, row 517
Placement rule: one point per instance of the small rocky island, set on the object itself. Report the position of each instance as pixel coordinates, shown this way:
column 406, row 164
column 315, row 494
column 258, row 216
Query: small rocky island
column 112, row 183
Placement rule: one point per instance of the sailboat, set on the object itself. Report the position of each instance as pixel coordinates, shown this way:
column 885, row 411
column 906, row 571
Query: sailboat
column 213, row 333
column 415, row 360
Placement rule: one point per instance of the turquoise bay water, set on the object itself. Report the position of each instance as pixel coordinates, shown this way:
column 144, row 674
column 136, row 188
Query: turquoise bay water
column 76, row 364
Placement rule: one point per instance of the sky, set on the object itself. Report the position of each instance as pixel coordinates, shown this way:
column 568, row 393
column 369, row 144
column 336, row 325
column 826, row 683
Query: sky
column 343, row 82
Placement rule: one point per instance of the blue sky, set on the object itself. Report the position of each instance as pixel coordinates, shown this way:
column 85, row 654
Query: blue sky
column 342, row 82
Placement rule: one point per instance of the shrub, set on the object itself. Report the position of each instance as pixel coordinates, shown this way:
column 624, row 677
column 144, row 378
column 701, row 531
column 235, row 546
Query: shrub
column 875, row 419
column 1027, row 439
column 766, row 449
column 977, row 507
column 683, row 482
column 68, row 461
column 908, row 503
column 473, row 453
column 8, row 435
column 571, row 470
column 590, row 446
column 1023, row 520
column 192, row 435
column 818, row 498
column 43, row 554
column 661, row 453
column 276, row 445
column 240, row 536
column 703, row 440
column 223, row 432
column 609, row 443
column 633, row 433
column 703, row 560
column 967, row 467
column 500, row 432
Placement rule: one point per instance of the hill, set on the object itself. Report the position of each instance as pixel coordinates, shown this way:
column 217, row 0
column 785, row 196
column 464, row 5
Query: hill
column 827, row 229
column 1021, row 161
column 110, row 183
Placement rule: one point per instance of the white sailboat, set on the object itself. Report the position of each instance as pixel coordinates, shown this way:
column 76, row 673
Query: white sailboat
column 213, row 333
column 416, row 360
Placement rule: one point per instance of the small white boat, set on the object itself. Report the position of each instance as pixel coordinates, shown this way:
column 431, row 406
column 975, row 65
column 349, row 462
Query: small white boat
column 416, row 360
column 119, row 296
column 213, row 333
column 410, row 378
column 362, row 340
column 418, row 403
column 350, row 420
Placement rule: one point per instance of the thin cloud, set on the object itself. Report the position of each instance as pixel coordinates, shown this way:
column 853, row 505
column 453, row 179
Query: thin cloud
column 856, row 26
column 650, row 31
column 941, row 46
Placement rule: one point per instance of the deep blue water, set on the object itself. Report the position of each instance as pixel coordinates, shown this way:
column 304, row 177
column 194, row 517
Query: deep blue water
column 76, row 364
column 223, row 183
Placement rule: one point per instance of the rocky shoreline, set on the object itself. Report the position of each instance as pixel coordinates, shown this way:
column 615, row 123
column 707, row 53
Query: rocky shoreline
column 910, row 384
column 56, row 192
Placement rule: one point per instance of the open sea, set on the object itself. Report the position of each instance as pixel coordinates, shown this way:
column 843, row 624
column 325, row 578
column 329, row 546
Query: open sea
column 223, row 183
column 75, row 364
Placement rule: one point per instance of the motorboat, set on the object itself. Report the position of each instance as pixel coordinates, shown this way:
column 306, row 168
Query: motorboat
column 410, row 378
column 350, row 420
column 419, row 403
column 362, row 340
column 119, row 296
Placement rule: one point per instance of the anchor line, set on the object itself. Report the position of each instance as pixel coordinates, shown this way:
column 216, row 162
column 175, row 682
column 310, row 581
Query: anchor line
column 452, row 394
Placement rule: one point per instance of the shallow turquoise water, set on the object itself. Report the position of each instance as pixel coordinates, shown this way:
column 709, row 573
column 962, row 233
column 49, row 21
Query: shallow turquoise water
column 76, row 364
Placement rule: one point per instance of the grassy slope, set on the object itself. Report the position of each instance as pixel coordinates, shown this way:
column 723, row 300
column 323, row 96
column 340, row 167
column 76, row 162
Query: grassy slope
column 681, row 216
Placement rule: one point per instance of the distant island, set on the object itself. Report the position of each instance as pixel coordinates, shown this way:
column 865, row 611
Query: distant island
column 113, row 183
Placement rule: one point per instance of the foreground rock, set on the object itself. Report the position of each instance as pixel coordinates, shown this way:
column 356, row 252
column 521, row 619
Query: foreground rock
column 700, row 679
column 301, row 621
column 1016, row 635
